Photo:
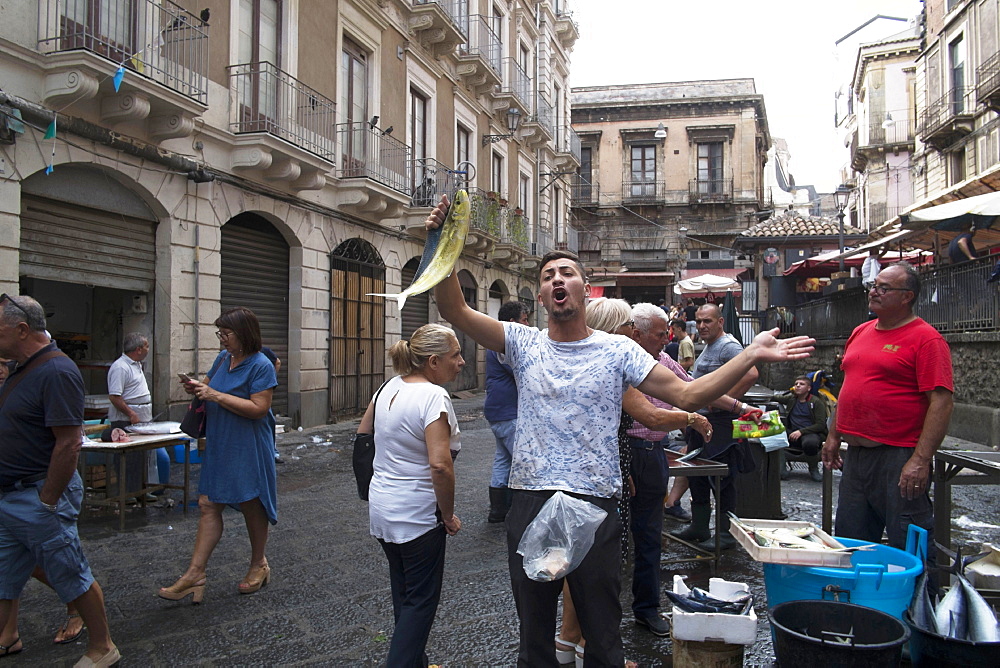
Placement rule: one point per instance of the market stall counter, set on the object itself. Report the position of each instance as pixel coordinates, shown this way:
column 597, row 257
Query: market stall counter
column 136, row 443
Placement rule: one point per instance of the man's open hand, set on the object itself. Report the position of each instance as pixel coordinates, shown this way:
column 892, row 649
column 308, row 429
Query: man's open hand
column 766, row 347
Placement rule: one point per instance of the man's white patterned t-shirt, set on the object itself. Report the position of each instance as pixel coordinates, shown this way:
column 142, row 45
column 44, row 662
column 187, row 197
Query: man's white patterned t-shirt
column 569, row 408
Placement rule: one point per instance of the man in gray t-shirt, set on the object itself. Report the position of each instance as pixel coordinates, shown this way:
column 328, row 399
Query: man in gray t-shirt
column 720, row 348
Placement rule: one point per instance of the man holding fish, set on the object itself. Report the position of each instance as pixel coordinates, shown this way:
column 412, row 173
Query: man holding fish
column 571, row 381
column 893, row 412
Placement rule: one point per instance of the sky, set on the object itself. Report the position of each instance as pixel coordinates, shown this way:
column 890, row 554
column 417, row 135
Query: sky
column 786, row 46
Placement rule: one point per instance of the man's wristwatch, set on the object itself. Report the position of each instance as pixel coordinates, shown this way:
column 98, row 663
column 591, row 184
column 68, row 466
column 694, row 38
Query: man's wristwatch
column 691, row 419
column 51, row 507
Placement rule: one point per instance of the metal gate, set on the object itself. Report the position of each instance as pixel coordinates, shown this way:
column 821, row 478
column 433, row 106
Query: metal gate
column 76, row 244
column 255, row 275
column 357, row 326
column 416, row 312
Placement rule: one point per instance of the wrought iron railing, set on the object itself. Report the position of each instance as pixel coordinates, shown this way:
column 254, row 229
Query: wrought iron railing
column 957, row 102
column 487, row 210
column 641, row 191
column 988, row 77
column 544, row 114
column 271, row 100
column 457, row 11
column 880, row 212
column 515, row 231
column 483, row 42
column 701, row 191
column 367, row 152
column 583, row 192
column 516, row 81
column 943, row 302
column 154, row 38
column 882, row 131
column 568, row 141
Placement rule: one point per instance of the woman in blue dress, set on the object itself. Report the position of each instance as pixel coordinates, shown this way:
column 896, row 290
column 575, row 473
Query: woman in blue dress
column 238, row 466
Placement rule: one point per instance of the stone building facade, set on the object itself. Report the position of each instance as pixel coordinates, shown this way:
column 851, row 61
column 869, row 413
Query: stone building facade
column 277, row 154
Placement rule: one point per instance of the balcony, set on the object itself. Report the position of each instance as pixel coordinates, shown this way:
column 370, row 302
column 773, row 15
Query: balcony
column 566, row 29
column 374, row 171
column 515, row 87
column 583, row 192
column 567, row 148
column 882, row 133
column 710, row 191
column 283, row 127
column 539, row 128
column 479, row 58
column 513, row 245
column 440, row 25
column 162, row 48
column 988, row 82
column 948, row 118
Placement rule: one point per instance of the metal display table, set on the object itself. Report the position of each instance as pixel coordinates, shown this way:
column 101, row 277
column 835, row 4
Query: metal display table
column 693, row 469
column 136, row 443
column 984, row 469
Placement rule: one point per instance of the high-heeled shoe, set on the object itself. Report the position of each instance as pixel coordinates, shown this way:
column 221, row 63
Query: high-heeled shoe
column 182, row 589
column 255, row 579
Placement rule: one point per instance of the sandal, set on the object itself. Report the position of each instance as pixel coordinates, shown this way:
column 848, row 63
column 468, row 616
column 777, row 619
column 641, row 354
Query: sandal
column 566, row 655
column 62, row 629
column 7, row 650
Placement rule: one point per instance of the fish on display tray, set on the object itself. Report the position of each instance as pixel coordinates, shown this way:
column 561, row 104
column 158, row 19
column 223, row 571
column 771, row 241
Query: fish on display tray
column 962, row 613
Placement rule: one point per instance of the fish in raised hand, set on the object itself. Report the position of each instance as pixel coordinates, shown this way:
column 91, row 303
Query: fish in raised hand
column 449, row 248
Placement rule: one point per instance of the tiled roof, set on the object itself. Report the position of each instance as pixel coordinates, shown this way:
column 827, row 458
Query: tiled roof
column 797, row 225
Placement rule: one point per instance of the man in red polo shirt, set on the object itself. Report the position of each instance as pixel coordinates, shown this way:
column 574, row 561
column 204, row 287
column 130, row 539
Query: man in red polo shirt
column 893, row 412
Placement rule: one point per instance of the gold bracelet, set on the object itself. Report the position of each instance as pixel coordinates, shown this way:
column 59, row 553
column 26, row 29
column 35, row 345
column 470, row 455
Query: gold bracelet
column 690, row 419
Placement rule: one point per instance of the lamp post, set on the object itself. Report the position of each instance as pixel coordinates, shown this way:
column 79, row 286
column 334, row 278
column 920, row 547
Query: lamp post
column 841, row 197
column 513, row 122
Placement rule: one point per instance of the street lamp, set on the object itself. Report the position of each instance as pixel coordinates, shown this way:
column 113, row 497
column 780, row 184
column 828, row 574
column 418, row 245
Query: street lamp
column 513, row 121
column 841, row 197
column 661, row 132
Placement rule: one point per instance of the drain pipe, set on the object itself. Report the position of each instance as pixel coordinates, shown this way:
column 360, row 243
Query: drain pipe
column 197, row 294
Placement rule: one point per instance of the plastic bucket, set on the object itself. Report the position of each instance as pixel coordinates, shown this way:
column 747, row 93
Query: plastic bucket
column 882, row 578
column 930, row 650
column 179, row 453
column 826, row 633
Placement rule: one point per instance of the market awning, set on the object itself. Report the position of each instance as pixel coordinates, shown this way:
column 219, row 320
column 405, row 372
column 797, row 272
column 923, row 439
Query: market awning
column 825, row 264
column 732, row 273
column 886, row 241
column 980, row 210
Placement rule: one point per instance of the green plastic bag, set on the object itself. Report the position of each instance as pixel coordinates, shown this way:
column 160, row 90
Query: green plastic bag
column 770, row 424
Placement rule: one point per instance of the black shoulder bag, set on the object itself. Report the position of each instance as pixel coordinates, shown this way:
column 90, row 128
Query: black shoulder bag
column 363, row 457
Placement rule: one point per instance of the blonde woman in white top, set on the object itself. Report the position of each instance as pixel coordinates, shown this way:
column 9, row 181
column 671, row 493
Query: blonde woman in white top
column 412, row 494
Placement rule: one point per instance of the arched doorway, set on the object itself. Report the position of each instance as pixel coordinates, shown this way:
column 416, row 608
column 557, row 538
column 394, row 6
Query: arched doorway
column 255, row 275
column 495, row 298
column 416, row 312
column 357, row 326
column 468, row 379
column 534, row 311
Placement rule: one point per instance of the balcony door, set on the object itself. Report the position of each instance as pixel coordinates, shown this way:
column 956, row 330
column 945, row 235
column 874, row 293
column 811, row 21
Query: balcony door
column 710, row 168
column 107, row 27
column 643, row 171
column 354, row 107
column 956, row 63
column 259, row 51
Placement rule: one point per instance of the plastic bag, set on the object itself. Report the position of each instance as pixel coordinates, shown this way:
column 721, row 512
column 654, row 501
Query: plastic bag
column 770, row 424
column 559, row 537
column 775, row 442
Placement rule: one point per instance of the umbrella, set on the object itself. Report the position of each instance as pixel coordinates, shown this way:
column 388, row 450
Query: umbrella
column 705, row 283
column 731, row 317
column 980, row 211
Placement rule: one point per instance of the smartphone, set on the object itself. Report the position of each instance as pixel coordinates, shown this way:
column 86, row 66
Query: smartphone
column 185, row 378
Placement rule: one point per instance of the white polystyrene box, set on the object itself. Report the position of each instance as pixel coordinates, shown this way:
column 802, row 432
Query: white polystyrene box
column 710, row 626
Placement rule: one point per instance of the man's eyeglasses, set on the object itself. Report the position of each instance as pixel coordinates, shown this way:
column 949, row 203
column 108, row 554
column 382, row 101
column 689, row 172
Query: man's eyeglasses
column 223, row 335
column 880, row 290
column 7, row 298
column 628, row 323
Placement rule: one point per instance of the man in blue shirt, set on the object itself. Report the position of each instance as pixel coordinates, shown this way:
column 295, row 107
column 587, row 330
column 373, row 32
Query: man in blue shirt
column 500, row 410
column 41, row 419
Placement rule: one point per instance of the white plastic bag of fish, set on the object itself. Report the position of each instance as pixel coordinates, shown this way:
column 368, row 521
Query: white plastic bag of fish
column 559, row 537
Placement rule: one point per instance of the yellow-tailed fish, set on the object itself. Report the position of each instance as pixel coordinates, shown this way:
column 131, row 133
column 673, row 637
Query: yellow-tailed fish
column 453, row 232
